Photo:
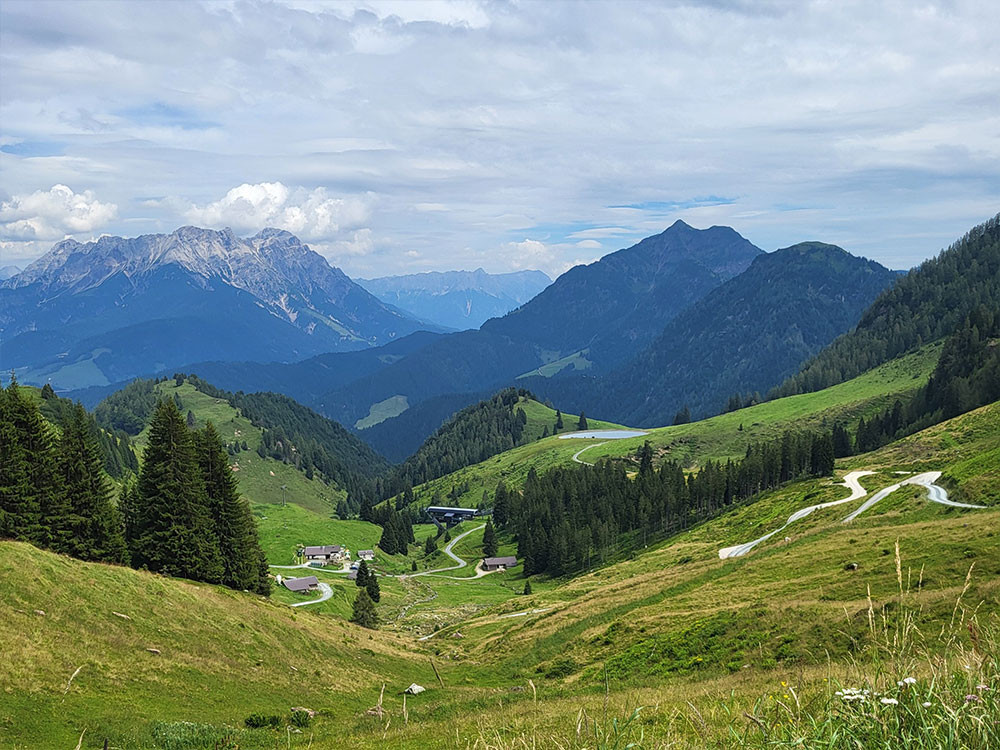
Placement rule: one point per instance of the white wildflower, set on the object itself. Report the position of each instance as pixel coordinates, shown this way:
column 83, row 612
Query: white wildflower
column 889, row 702
column 926, row 704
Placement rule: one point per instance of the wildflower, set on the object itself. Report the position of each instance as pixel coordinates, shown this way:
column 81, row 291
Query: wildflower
column 784, row 684
column 973, row 699
column 907, row 681
column 982, row 687
column 889, row 702
column 926, row 704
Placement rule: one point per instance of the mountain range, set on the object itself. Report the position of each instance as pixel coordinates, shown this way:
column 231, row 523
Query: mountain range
column 458, row 299
column 742, row 337
column 104, row 311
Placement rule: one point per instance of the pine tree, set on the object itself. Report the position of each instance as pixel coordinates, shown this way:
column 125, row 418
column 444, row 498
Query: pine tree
column 362, row 580
column 489, row 540
column 234, row 525
column 559, row 421
column 388, row 541
column 38, row 503
column 430, row 546
column 527, row 588
column 96, row 528
column 501, row 505
column 190, row 419
column 683, row 416
column 364, row 613
column 372, row 588
column 582, row 422
column 19, row 512
column 175, row 534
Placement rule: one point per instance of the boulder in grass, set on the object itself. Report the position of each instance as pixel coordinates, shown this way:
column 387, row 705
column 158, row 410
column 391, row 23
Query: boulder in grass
column 414, row 689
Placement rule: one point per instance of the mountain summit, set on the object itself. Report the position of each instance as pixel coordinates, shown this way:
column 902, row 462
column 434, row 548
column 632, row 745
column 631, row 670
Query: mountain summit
column 87, row 313
column 618, row 304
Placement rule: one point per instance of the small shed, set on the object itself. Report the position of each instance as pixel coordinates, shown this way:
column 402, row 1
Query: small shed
column 366, row 554
column 499, row 563
column 300, row 585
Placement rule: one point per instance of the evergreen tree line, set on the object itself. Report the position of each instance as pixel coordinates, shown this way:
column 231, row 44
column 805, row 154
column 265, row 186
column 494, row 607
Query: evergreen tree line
column 572, row 517
column 472, row 435
column 967, row 376
column 115, row 447
column 184, row 516
column 54, row 491
column 924, row 306
column 397, row 527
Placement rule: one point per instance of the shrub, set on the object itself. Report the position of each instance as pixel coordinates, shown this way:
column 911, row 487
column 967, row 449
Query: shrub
column 262, row 721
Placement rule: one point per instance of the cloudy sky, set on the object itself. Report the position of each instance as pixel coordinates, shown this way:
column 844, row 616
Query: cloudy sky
column 400, row 136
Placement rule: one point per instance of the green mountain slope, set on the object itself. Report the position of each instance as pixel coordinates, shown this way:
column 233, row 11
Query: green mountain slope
column 742, row 337
column 510, row 418
column 721, row 437
column 925, row 305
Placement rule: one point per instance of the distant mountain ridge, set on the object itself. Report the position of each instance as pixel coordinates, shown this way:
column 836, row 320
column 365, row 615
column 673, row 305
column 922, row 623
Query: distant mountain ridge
column 458, row 299
column 618, row 304
column 742, row 337
column 8, row 271
column 87, row 313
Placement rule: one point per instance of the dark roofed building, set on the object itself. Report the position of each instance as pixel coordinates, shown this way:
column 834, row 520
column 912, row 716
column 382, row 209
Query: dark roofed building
column 326, row 553
column 450, row 516
column 498, row 563
column 366, row 554
column 300, row 585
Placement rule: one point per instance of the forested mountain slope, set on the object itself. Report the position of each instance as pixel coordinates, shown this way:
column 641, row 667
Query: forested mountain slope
column 616, row 305
column 927, row 304
column 742, row 337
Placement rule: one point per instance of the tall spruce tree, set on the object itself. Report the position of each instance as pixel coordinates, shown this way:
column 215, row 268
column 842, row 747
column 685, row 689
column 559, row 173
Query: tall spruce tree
column 97, row 530
column 234, row 523
column 19, row 511
column 364, row 613
column 175, row 533
column 372, row 587
column 581, row 423
column 39, row 504
column 489, row 540
column 362, row 580
column 501, row 505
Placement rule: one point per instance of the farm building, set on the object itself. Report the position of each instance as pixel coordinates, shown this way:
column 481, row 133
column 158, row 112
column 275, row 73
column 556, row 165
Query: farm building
column 441, row 514
column 366, row 554
column 499, row 563
column 326, row 554
column 300, row 585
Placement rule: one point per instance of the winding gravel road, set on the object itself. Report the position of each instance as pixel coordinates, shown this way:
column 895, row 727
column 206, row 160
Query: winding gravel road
column 576, row 456
column 935, row 493
column 325, row 593
column 850, row 482
column 459, row 562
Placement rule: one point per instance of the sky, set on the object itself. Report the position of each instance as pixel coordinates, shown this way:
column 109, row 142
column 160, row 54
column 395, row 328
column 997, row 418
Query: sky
column 397, row 137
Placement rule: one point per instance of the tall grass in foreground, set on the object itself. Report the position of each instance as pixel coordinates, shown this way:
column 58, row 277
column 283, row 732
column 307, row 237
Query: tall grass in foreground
column 908, row 686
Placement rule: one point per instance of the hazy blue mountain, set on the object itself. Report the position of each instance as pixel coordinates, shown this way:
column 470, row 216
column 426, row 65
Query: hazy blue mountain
column 458, row 299
column 104, row 311
column 746, row 335
column 7, row 271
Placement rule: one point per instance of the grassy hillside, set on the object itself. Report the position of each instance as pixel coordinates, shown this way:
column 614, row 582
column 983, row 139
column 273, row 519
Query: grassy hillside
column 222, row 656
column 720, row 437
column 301, row 514
column 708, row 648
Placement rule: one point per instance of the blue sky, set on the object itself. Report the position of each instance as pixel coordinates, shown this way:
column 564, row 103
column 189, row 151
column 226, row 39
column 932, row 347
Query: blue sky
column 409, row 136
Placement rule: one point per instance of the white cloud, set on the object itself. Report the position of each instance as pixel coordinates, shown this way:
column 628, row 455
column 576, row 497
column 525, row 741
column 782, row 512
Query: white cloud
column 589, row 244
column 310, row 215
column 52, row 214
